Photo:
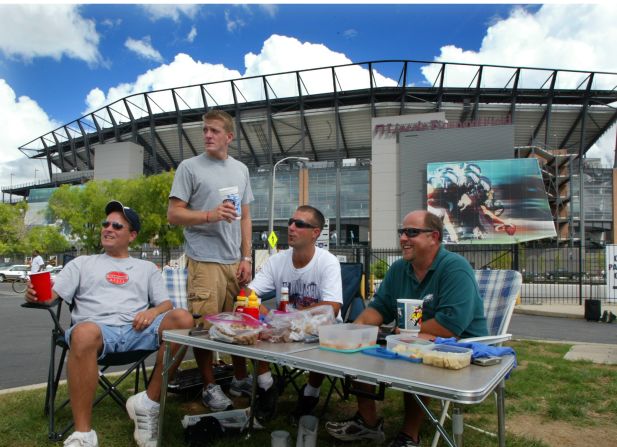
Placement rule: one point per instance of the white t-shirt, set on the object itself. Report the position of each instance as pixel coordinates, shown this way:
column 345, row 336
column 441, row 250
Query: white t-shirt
column 319, row 280
column 37, row 264
column 110, row 290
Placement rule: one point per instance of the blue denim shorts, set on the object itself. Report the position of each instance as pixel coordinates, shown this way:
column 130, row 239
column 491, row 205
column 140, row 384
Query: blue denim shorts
column 125, row 338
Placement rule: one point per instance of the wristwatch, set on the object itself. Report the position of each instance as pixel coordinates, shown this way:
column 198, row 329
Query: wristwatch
column 248, row 259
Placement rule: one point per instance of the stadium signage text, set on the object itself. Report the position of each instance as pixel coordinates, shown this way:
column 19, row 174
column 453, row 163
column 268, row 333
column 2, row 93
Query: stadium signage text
column 394, row 129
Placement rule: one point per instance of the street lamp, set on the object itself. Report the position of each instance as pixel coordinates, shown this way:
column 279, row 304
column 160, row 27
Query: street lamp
column 11, row 190
column 271, row 217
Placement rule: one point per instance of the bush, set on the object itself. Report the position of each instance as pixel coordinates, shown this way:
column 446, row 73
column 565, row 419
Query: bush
column 379, row 269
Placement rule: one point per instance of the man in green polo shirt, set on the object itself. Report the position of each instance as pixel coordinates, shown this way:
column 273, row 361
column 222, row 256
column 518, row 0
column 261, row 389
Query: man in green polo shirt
column 452, row 307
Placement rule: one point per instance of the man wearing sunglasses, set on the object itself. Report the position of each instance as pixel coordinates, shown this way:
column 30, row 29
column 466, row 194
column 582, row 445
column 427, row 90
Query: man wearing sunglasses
column 452, row 307
column 217, row 239
column 313, row 278
column 119, row 304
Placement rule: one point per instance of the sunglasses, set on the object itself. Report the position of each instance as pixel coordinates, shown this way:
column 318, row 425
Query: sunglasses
column 114, row 225
column 300, row 223
column 413, row 232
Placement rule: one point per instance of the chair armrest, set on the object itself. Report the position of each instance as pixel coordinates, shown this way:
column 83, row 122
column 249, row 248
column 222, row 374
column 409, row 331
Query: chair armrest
column 489, row 339
column 39, row 305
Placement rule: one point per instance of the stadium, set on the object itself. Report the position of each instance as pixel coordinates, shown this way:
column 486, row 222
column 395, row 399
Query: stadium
column 368, row 131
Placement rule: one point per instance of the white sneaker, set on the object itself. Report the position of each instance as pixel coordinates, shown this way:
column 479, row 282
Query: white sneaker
column 146, row 421
column 214, row 398
column 241, row 387
column 82, row 439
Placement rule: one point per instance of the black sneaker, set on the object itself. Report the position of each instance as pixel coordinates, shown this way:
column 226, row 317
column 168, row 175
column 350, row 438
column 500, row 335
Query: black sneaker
column 355, row 429
column 304, row 406
column 403, row 440
column 266, row 403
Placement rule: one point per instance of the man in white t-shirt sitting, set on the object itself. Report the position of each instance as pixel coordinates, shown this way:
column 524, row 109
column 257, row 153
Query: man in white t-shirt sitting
column 119, row 304
column 313, row 277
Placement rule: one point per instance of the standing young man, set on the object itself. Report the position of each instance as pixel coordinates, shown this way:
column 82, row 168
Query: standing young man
column 217, row 237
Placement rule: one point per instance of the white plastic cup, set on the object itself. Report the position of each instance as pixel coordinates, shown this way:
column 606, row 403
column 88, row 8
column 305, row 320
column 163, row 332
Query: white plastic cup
column 280, row 438
column 307, row 431
column 231, row 194
column 409, row 314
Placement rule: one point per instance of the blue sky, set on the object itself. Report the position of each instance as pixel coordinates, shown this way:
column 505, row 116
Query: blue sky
column 57, row 62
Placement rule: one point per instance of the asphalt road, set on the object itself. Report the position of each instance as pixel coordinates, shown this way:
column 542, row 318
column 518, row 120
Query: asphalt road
column 25, row 336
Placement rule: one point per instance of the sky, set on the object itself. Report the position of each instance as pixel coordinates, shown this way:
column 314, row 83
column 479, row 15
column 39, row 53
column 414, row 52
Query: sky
column 59, row 62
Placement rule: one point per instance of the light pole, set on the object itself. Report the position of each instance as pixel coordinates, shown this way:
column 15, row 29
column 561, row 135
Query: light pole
column 11, row 190
column 271, row 216
column 35, row 171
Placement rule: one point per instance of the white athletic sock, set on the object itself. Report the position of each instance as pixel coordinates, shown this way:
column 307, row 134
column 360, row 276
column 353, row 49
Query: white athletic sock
column 311, row 390
column 265, row 380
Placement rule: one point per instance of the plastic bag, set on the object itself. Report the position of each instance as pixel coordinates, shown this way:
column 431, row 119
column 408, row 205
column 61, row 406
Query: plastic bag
column 284, row 327
column 237, row 328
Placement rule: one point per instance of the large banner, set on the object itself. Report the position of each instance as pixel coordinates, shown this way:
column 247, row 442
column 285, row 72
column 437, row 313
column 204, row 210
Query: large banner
column 489, row 201
column 611, row 273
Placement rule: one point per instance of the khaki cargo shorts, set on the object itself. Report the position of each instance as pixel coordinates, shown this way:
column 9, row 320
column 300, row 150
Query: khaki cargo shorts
column 212, row 288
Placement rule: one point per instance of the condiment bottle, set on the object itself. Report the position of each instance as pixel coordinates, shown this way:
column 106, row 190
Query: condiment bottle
column 241, row 302
column 252, row 308
column 284, row 302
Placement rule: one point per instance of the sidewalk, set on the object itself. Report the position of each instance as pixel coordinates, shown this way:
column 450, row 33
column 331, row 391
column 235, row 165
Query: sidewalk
column 594, row 352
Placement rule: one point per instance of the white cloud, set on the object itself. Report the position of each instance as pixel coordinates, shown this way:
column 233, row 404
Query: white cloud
column 192, row 34
column 563, row 36
column 233, row 23
column 143, row 48
column 270, row 9
column 60, row 31
column 174, row 12
column 20, row 119
column 350, row 33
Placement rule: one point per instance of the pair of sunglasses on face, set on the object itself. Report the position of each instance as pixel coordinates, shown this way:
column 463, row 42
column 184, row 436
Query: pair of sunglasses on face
column 300, row 223
column 115, row 225
column 413, row 232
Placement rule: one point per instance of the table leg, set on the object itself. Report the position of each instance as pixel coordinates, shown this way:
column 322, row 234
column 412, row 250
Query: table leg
column 253, row 400
column 168, row 360
column 501, row 414
column 434, row 421
column 457, row 425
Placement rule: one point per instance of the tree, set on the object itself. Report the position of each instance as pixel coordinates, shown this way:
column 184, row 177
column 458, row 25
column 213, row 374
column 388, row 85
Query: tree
column 47, row 240
column 12, row 229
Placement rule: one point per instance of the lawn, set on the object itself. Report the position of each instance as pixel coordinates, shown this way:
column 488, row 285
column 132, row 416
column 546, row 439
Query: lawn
column 549, row 401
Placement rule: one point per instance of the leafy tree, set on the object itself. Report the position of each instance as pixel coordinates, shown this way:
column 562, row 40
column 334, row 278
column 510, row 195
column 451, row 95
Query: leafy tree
column 379, row 268
column 46, row 239
column 12, row 229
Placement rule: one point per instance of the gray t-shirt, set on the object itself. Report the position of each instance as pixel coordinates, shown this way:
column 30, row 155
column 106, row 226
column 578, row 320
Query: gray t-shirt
column 197, row 182
column 110, row 290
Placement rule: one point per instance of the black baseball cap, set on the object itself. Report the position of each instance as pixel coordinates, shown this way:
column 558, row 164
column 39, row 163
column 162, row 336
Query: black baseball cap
column 129, row 214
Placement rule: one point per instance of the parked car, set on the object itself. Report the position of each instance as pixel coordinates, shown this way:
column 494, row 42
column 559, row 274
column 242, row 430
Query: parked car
column 564, row 275
column 14, row 272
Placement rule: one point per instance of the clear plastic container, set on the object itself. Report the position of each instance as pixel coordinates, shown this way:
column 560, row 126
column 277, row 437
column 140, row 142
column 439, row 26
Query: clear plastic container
column 347, row 336
column 408, row 345
column 447, row 356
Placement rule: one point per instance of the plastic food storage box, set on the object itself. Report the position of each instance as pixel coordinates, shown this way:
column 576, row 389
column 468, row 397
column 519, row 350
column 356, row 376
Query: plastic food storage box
column 347, row 336
column 447, row 356
column 408, row 345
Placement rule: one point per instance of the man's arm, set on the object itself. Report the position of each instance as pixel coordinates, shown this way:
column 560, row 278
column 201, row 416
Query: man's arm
column 369, row 316
column 178, row 213
column 31, row 297
column 245, row 269
column 145, row 318
column 431, row 328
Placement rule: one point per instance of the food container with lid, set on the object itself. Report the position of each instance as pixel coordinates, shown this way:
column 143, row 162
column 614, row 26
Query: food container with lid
column 347, row 336
column 447, row 356
column 407, row 345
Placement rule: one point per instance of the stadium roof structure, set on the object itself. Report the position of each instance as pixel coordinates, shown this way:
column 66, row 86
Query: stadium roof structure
column 325, row 113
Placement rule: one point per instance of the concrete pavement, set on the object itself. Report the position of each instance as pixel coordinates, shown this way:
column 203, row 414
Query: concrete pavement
column 595, row 352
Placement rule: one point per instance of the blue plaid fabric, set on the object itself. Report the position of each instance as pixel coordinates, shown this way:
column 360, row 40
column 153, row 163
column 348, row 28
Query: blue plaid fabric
column 498, row 289
column 175, row 280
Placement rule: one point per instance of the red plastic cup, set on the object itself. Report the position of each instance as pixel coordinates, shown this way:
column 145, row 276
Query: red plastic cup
column 41, row 283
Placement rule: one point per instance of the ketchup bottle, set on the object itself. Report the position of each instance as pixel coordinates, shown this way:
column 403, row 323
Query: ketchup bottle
column 284, row 299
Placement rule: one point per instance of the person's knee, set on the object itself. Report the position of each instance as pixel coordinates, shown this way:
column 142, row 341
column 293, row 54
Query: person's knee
column 86, row 336
column 177, row 319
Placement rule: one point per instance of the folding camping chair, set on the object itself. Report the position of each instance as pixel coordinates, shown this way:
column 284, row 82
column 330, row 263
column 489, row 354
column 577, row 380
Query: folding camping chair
column 109, row 386
column 499, row 289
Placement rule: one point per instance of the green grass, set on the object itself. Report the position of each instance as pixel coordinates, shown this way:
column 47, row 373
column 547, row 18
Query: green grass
column 544, row 386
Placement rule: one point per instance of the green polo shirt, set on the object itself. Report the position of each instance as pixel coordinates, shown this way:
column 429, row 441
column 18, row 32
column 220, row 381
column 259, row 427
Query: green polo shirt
column 449, row 292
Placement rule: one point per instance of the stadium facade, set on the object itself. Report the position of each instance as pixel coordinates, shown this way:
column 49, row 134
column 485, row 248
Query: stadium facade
column 351, row 122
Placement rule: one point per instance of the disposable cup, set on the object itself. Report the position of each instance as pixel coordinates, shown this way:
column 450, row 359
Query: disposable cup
column 280, row 438
column 41, row 283
column 230, row 194
column 409, row 314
